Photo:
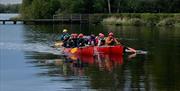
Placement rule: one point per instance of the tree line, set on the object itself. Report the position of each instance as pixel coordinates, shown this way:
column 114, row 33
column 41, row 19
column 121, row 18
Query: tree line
column 47, row 8
column 9, row 8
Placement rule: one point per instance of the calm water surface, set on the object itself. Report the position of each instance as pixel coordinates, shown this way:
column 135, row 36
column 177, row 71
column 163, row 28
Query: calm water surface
column 28, row 63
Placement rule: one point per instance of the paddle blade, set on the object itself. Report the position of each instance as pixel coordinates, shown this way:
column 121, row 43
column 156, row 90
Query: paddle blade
column 73, row 57
column 58, row 44
column 74, row 50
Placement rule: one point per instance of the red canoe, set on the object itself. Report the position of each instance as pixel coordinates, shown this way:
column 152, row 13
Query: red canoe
column 93, row 50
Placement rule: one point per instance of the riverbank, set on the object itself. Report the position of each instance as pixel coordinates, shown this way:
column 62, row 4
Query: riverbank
column 125, row 19
column 137, row 19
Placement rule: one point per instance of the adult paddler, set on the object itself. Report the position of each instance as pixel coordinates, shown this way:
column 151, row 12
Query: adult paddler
column 111, row 40
column 63, row 37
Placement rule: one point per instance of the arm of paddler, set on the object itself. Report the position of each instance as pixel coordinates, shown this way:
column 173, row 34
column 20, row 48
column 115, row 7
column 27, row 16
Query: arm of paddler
column 117, row 41
column 108, row 41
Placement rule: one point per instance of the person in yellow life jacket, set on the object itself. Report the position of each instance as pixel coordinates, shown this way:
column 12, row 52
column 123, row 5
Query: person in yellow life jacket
column 110, row 40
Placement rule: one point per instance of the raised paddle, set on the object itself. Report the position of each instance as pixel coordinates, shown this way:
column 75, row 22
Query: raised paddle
column 127, row 49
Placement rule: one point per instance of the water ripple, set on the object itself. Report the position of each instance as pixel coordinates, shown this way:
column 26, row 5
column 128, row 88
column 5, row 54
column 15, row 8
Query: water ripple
column 36, row 47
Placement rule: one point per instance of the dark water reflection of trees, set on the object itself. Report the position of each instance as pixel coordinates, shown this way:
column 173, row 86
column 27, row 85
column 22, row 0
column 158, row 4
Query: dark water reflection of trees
column 156, row 71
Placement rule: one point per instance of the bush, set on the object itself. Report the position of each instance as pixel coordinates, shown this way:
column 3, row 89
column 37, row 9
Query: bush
column 110, row 21
column 150, row 19
column 136, row 22
column 122, row 21
column 167, row 22
column 134, row 19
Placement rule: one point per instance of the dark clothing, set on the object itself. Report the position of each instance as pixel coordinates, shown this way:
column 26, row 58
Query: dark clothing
column 81, row 42
column 72, row 42
column 64, row 36
column 100, row 41
column 112, row 43
column 92, row 40
column 75, row 42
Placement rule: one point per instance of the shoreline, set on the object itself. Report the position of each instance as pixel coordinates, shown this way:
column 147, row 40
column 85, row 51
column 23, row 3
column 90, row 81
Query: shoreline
column 139, row 19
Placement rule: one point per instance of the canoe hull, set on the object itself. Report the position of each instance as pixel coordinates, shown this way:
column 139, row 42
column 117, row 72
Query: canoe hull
column 93, row 50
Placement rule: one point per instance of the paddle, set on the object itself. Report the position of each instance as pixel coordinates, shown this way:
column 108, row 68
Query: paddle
column 74, row 50
column 132, row 50
column 127, row 49
column 58, row 44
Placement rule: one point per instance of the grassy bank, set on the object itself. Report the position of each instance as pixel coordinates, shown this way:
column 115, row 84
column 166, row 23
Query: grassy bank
column 136, row 19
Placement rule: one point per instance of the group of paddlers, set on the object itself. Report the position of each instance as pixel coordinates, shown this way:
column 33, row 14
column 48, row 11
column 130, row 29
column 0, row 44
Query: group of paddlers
column 79, row 40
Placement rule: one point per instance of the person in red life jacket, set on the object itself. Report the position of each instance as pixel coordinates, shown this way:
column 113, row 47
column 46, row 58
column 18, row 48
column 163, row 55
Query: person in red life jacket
column 100, row 40
column 110, row 40
column 81, row 41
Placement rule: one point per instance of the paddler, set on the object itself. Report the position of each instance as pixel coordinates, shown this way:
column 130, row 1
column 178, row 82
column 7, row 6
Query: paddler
column 100, row 40
column 64, row 37
column 81, row 41
column 111, row 40
column 92, row 40
column 72, row 41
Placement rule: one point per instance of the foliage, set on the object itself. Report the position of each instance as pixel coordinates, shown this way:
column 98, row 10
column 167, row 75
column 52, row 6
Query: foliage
column 136, row 22
column 167, row 22
column 37, row 9
column 110, row 21
column 151, row 19
column 47, row 8
column 137, row 19
column 10, row 8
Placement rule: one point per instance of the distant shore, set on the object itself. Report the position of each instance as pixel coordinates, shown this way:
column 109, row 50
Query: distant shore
column 133, row 19
column 137, row 19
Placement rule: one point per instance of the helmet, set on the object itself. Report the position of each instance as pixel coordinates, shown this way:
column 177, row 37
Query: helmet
column 72, row 34
column 110, row 34
column 101, row 35
column 64, row 30
column 80, row 35
column 75, row 35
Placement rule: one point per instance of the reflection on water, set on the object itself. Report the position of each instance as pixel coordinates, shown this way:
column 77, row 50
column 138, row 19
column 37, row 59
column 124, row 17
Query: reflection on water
column 91, row 69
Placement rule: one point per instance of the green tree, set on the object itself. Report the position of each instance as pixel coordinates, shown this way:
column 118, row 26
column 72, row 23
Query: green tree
column 47, row 8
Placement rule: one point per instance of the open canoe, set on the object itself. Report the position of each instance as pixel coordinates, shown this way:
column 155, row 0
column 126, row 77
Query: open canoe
column 93, row 50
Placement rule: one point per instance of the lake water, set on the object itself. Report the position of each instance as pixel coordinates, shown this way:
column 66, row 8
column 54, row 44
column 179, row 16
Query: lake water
column 29, row 63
